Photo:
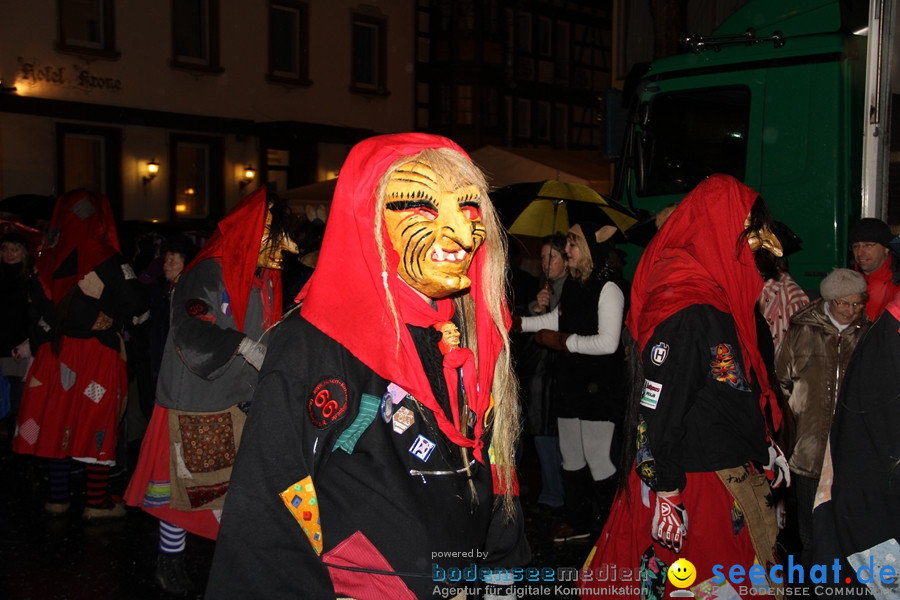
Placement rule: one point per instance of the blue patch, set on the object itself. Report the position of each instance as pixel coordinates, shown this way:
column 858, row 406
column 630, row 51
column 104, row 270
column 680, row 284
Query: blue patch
column 387, row 408
column 659, row 353
column 226, row 303
column 422, row 448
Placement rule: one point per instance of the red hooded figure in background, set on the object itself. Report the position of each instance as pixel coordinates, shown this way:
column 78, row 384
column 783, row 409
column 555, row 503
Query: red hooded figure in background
column 698, row 486
column 223, row 305
column 76, row 387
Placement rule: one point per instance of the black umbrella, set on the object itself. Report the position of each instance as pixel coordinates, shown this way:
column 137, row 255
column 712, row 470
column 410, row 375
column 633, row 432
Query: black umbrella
column 29, row 207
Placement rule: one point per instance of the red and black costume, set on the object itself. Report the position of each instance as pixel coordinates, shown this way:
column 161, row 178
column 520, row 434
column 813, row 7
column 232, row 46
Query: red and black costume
column 701, row 415
column 349, row 480
column 76, row 387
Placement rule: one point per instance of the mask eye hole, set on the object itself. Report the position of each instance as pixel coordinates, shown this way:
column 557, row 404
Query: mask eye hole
column 471, row 211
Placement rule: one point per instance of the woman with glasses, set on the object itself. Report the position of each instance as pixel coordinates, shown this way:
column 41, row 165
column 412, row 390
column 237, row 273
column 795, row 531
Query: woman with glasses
column 810, row 365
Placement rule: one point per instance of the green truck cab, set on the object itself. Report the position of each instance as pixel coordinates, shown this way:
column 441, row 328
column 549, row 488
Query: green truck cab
column 776, row 97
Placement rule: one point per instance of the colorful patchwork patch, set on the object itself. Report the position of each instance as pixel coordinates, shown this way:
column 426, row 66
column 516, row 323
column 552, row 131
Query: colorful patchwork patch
column 403, row 418
column 300, row 499
column 396, row 393
column 645, row 465
column 737, row 518
column 196, row 307
column 368, row 408
column 102, row 323
column 226, row 304
column 29, row 432
column 95, row 392
column 83, row 208
column 207, row 441
column 651, row 393
column 66, row 376
column 653, row 572
column 422, row 448
column 659, row 353
column 199, row 495
column 724, row 368
column 158, row 493
column 327, row 403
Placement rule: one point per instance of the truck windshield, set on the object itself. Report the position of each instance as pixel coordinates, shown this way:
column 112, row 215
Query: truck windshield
column 690, row 135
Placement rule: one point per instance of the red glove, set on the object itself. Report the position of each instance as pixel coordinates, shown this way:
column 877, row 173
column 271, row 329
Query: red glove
column 777, row 470
column 670, row 521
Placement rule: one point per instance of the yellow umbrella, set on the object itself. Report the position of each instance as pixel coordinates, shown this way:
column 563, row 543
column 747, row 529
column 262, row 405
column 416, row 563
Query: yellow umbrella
column 545, row 207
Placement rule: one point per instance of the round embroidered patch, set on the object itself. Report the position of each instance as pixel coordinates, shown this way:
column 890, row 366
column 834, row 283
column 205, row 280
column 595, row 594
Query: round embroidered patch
column 196, row 307
column 328, row 402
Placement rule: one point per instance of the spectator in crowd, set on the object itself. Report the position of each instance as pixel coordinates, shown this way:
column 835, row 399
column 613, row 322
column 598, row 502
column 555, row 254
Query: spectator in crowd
column 810, row 365
column 534, row 368
column 588, row 379
column 856, row 517
column 873, row 256
column 15, row 269
column 781, row 296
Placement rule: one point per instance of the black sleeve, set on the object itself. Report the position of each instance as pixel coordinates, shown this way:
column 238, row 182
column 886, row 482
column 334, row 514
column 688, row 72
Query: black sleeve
column 262, row 550
column 40, row 315
column 205, row 340
column 123, row 296
column 673, row 360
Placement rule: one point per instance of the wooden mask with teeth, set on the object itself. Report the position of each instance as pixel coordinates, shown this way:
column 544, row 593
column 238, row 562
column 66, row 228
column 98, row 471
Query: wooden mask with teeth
column 434, row 226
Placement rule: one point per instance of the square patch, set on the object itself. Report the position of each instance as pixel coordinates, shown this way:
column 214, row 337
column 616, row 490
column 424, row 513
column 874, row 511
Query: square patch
column 422, row 448
column 651, row 393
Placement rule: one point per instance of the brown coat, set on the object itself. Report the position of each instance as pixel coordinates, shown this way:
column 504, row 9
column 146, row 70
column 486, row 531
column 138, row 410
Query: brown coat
column 810, row 364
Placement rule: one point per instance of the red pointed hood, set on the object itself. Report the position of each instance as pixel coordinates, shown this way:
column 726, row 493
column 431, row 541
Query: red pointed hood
column 695, row 258
column 235, row 245
column 82, row 234
column 346, row 297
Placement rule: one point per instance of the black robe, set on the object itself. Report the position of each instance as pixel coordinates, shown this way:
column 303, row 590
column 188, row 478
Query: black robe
column 384, row 483
column 864, row 510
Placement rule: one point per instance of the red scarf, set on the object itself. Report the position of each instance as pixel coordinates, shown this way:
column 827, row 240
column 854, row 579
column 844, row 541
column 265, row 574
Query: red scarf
column 82, row 234
column 345, row 298
column 695, row 258
column 235, row 245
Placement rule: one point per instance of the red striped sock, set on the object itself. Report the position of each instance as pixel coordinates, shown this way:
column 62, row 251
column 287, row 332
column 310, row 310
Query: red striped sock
column 97, row 485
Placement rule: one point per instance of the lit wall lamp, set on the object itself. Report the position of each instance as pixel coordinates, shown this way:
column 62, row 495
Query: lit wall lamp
column 249, row 175
column 152, row 170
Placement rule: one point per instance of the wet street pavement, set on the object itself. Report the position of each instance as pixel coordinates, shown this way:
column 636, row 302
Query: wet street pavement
column 65, row 558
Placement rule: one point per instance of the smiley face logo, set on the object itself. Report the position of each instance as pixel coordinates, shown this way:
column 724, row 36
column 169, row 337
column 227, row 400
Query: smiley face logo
column 682, row 573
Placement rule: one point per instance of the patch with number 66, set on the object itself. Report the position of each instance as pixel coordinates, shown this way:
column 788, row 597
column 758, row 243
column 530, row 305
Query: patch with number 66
column 328, row 402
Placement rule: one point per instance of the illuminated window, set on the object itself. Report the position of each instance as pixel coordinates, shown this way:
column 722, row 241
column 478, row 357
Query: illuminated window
column 197, row 176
